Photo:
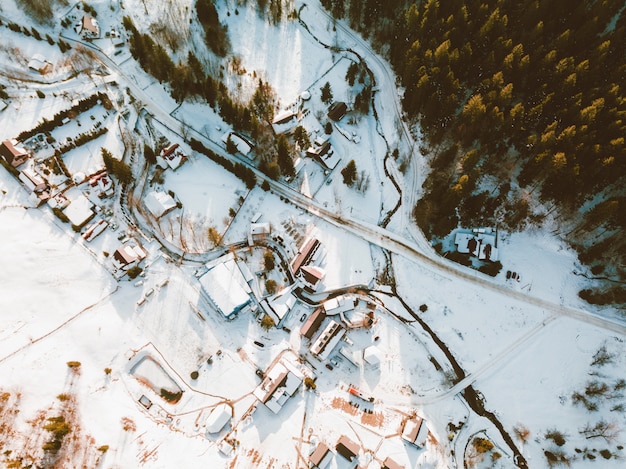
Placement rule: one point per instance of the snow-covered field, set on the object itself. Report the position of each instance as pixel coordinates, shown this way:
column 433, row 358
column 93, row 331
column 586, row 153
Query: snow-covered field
column 81, row 341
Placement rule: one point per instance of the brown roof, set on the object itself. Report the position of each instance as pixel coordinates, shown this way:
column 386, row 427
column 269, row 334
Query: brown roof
column 313, row 323
column 389, row 463
column 337, row 110
column 319, row 453
column 9, row 150
column 90, row 25
column 169, row 150
column 347, row 448
column 305, row 254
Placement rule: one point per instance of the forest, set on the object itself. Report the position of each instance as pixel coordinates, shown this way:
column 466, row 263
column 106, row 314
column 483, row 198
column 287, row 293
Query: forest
column 522, row 106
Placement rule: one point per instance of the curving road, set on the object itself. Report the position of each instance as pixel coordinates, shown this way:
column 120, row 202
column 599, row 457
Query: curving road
column 374, row 234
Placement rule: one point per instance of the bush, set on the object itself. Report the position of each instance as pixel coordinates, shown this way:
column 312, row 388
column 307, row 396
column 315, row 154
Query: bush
column 270, row 286
column 267, row 322
column 103, row 448
column 309, row 383
column 268, row 260
column 266, row 185
column 491, row 268
column 423, row 308
column 73, row 364
column 482, row 445
column 41, row 94
column 107, row 371
column 556, row 436
column 134, row 271
column 194, row 375
column 171, row 397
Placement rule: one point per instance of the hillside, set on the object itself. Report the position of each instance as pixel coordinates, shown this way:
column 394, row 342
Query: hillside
column 522, row 108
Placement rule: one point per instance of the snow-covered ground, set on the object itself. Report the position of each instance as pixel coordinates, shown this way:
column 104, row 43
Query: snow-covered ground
column 63, row 301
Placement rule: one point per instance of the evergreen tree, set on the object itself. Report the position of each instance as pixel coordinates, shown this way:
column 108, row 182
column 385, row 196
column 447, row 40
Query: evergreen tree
column 327, row 94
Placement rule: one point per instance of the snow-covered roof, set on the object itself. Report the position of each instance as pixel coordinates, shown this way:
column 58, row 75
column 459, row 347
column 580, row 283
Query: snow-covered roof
column 219, row 417
column 415, row 431
column 226, row 287
column 79, row 210
column 461, row 240
column 260, row 228
column 280, row 383
column 159, row 203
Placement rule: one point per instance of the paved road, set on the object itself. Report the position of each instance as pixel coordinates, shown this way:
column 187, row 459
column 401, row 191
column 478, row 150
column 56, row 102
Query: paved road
column 374, row 234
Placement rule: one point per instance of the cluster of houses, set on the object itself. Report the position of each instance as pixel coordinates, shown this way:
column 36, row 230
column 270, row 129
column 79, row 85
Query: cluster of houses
column 415, row 432
column 481, row 243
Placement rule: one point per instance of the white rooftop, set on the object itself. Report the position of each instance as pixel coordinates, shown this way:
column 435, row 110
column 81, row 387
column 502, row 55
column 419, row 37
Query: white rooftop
column 79, row 210
column 226, row 287
column 219, row 417
column 159, row 203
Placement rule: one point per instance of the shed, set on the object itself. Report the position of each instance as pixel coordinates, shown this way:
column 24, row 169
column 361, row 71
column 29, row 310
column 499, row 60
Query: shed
column 218, row 418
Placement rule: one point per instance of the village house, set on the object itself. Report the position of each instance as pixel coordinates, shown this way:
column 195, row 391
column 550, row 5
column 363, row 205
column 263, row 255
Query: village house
column 480, row 242
column 347, row 448
column 321, row 457
column 415, row 432
column 337, row 110
column 40, row 64
column 311, row 277
column 32, row 181
column 159, row 203
column 281, row 382
column 389, row 463
column 171, row 156
column 89, row 28
column 102, row 183
column 13, row 153
column 128, row 256
column 258, row 232
column 327, row 340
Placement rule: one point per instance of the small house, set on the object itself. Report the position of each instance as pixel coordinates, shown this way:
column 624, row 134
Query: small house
column 337, row 110
column 389, row 463
column 159, row 203
column 89, row 28
column 321, row 457
column 32, row 181
column 128, row 256
column 40, row 64
column 281, row 382
column 347, row 448
column 13, row 152
column 415, row 432
column 258, row 232
column 172, row 156
column 311, row 276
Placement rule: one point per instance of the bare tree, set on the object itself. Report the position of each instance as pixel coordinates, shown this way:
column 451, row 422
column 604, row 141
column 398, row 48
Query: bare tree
column 603, row 429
